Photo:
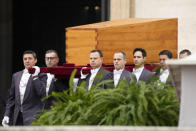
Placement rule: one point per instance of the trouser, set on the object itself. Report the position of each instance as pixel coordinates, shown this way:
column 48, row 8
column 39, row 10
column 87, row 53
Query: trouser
column 19, row 121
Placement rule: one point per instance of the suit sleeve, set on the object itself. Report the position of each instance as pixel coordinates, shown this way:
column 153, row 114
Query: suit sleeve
column 11, row 99
column 150, row 76
column 39, row 85
column 61, row 84
column 81, row 80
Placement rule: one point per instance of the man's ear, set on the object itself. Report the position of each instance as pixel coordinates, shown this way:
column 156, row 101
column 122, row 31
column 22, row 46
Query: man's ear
column 57, row 60
column 144, row 58
column 35, row 60
column 102, row 59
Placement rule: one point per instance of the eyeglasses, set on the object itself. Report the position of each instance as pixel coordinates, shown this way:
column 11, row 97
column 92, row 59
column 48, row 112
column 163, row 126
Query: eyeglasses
column 49, row 58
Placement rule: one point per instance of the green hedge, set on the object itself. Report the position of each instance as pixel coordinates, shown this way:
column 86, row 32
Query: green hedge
column 137, row 104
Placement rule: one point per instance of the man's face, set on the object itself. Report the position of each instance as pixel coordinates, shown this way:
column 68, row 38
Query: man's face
column 138, row 58
column 162, row 59
column 183, row 55
column 29, row 61
column 95, row 60
column 119, row 61
column 51, row 59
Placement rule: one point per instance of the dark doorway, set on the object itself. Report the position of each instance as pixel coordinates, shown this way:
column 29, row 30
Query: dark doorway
column 39, row 24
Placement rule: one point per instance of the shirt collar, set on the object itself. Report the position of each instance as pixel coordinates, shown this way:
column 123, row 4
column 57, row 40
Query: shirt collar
column 95, row 70
column 138, row 69
column 164, row 71
column 25, row 71
column 118, row 71
column 50, row 75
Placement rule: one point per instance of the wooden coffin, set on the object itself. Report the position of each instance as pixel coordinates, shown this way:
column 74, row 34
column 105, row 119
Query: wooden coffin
column 151, row 34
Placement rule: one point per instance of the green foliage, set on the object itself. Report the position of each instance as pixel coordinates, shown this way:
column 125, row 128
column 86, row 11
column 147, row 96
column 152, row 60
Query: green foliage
column 137, row 104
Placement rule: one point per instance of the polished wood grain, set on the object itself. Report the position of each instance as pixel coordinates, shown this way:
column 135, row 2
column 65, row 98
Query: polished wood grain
column 125, row 35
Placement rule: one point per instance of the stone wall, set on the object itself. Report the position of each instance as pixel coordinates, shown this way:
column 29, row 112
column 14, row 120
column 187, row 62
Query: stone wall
column 184, row 10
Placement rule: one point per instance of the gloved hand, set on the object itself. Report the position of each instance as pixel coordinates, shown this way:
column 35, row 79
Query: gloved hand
column 83, row 76
column 5, row 121
column 75, row 82
column 37, row 71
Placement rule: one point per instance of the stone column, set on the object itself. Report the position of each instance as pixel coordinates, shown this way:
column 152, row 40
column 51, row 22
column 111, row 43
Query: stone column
column 120, row 9
column 183, row 72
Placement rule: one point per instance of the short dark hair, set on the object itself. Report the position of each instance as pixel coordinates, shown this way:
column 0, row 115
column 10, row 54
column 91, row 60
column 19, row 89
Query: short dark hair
column 99, row 51
column 140, row 50
column 30, row 52
column 185, row 51
column 52, row 51
column 123, row 53
column 167, row 53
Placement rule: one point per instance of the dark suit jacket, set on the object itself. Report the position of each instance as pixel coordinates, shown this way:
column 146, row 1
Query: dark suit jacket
column 58, row 85
column 106, row 75
column 146, row 75
column 32, row 103
column 127, row 76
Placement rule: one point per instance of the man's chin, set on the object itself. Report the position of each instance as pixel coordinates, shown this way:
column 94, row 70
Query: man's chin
column 117, row 68
column 27, row 67
column 94, row 67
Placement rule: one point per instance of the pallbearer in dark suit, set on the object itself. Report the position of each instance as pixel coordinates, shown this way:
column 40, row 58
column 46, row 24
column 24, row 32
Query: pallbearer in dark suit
column 163, row 73
column 119, row 72
column 25, row 94
column 53, row 84
column 141, row 73
column 96, row 59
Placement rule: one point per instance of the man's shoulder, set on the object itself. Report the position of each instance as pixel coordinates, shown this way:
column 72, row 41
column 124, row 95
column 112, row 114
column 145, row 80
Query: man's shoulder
column 148, row 71
column 126, row 71
column 105, row 71
column 42, row 75
column 17, row 73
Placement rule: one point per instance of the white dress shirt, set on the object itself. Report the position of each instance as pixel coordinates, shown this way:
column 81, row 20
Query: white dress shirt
column 137, row 72
column 23, row 84
column 92, row 77
column 164, row 75
column 117, row 74
column 49, row 81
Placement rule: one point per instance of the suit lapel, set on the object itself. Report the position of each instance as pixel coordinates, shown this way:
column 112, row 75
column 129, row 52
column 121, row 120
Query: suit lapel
column 18, row 78
column 87, row 79
column 97, row 76
column 142, row 76
column 121, row 76
column 28, row 88
column 51, row 86
column 169, row 80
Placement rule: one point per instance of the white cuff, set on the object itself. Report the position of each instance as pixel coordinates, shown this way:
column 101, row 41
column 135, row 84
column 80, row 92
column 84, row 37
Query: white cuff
column 82, row 75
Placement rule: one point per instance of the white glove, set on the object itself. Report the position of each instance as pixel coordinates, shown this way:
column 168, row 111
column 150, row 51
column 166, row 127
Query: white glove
column 75, row 81
column 5, row 121
column 37, row 71
column 82, row 75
